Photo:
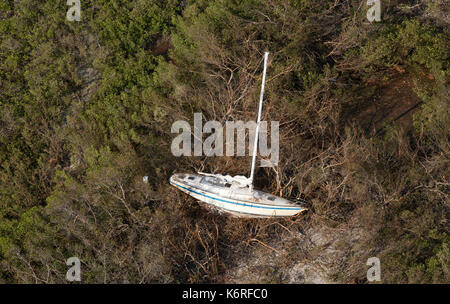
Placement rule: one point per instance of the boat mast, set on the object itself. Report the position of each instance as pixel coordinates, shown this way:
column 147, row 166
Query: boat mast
column 255, row 147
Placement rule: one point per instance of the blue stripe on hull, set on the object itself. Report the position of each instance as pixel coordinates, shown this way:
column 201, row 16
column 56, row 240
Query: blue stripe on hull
column 235, row 203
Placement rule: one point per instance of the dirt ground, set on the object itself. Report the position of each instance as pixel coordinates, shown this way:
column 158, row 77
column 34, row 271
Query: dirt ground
column 394, row 102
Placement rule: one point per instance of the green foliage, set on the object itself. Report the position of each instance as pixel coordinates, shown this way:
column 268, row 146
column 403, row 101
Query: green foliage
column 407, row 43
column 433, row 121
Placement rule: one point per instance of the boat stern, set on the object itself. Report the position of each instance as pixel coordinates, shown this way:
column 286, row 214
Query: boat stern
column 183, row 179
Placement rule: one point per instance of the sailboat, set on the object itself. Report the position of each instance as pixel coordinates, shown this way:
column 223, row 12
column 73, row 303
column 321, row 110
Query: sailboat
column 235, row 195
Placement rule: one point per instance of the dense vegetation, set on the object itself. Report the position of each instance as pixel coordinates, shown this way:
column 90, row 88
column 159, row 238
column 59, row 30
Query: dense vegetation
column 86, row 109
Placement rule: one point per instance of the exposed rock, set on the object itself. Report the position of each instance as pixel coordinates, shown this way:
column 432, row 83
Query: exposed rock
column 315, row 266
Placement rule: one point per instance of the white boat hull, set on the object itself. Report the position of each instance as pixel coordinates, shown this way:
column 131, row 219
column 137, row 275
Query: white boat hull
column 238, row 207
